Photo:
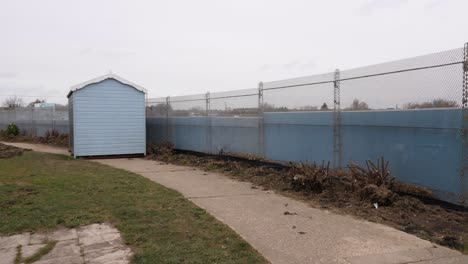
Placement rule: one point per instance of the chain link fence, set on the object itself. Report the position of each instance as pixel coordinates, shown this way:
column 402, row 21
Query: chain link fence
column 424, row 82
column 410, row 111
column 413, row 112
column 35, row 121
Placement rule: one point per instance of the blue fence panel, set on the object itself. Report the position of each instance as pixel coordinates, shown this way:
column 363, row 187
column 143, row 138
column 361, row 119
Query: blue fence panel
column 235, row 135
column 299, row 136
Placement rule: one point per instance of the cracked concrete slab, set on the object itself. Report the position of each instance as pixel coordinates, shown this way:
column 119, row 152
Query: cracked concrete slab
column 7, row 255
column 96, row 243
column 29, row 250
column 14, row 241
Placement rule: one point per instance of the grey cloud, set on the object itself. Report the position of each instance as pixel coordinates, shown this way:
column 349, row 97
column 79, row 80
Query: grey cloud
column 435, row 3
column 114, row 54
column 185, row 47
column 293, row 65
column 265, row 67
column 8, row 75
column 374, row 5
column 309, row 65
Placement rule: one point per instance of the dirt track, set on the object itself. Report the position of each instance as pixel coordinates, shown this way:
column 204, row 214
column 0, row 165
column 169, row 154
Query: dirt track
column 10, row 151
column 51, row 138
column 411, row 208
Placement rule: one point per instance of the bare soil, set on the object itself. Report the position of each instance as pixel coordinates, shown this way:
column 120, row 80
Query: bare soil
column 10, row 151
column 51, row 137
column 357, row 191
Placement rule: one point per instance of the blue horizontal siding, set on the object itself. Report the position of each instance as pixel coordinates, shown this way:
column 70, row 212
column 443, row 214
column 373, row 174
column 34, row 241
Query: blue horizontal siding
column 109, row 119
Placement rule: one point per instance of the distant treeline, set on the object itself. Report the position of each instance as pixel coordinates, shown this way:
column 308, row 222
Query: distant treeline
column 162, row 109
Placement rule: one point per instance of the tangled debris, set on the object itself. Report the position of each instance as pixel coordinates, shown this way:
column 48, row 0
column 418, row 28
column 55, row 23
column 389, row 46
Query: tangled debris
column 356, row 191
column 7, row 151
column 52, row 137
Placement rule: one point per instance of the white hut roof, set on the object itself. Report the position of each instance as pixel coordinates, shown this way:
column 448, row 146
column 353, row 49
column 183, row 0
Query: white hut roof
column 105, row 77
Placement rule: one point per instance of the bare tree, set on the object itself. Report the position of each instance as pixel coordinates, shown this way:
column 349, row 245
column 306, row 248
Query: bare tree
column 13, row 102
column 324, row 107
column 358, row 105
column 308, row 108
column 160, row 109
column 432, row 104
column 272, row 108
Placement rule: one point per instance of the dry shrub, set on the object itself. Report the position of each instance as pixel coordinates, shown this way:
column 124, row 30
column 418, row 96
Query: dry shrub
column 54, row 137
column 163, row 150
column 377, row 174
column 50, row 137
column 310, row 177
column 371, row 183
column 413, row 190
column 374, row 181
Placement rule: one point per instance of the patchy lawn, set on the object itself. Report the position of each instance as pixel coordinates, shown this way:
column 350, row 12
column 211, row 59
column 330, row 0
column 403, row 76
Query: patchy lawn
column 39, row 192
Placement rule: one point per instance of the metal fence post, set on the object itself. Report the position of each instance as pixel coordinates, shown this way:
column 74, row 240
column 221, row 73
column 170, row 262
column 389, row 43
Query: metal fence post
column 208, row 139
column 53, row 117
column 337, row 144
column 464, row 131
column 261, row 143
column 207, row 103
column 32, row 126
column 15, row 116
column 168, row 106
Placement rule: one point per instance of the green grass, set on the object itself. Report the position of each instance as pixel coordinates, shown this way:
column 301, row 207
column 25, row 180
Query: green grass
column 40, row 192
column 42, row 252
column 18, row 257
column 36, row 256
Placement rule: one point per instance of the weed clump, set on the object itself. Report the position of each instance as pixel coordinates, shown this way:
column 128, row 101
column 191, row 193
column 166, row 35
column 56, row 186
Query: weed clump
column 12, row 130
column 163, row 150
column 372, row 183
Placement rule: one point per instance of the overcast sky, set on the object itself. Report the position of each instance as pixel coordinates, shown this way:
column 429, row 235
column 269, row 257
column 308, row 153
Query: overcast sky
column 184, row 47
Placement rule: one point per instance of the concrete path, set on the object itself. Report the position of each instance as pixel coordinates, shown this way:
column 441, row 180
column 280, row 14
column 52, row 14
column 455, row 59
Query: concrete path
column 96, row 244
column 306, row 235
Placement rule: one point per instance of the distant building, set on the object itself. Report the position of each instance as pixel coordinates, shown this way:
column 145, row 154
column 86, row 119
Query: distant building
column 46, row 105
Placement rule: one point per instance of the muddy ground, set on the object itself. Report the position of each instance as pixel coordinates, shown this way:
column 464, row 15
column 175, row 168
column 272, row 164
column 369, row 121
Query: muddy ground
column 356, row 191
column 10, row 151
column 51, row 137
